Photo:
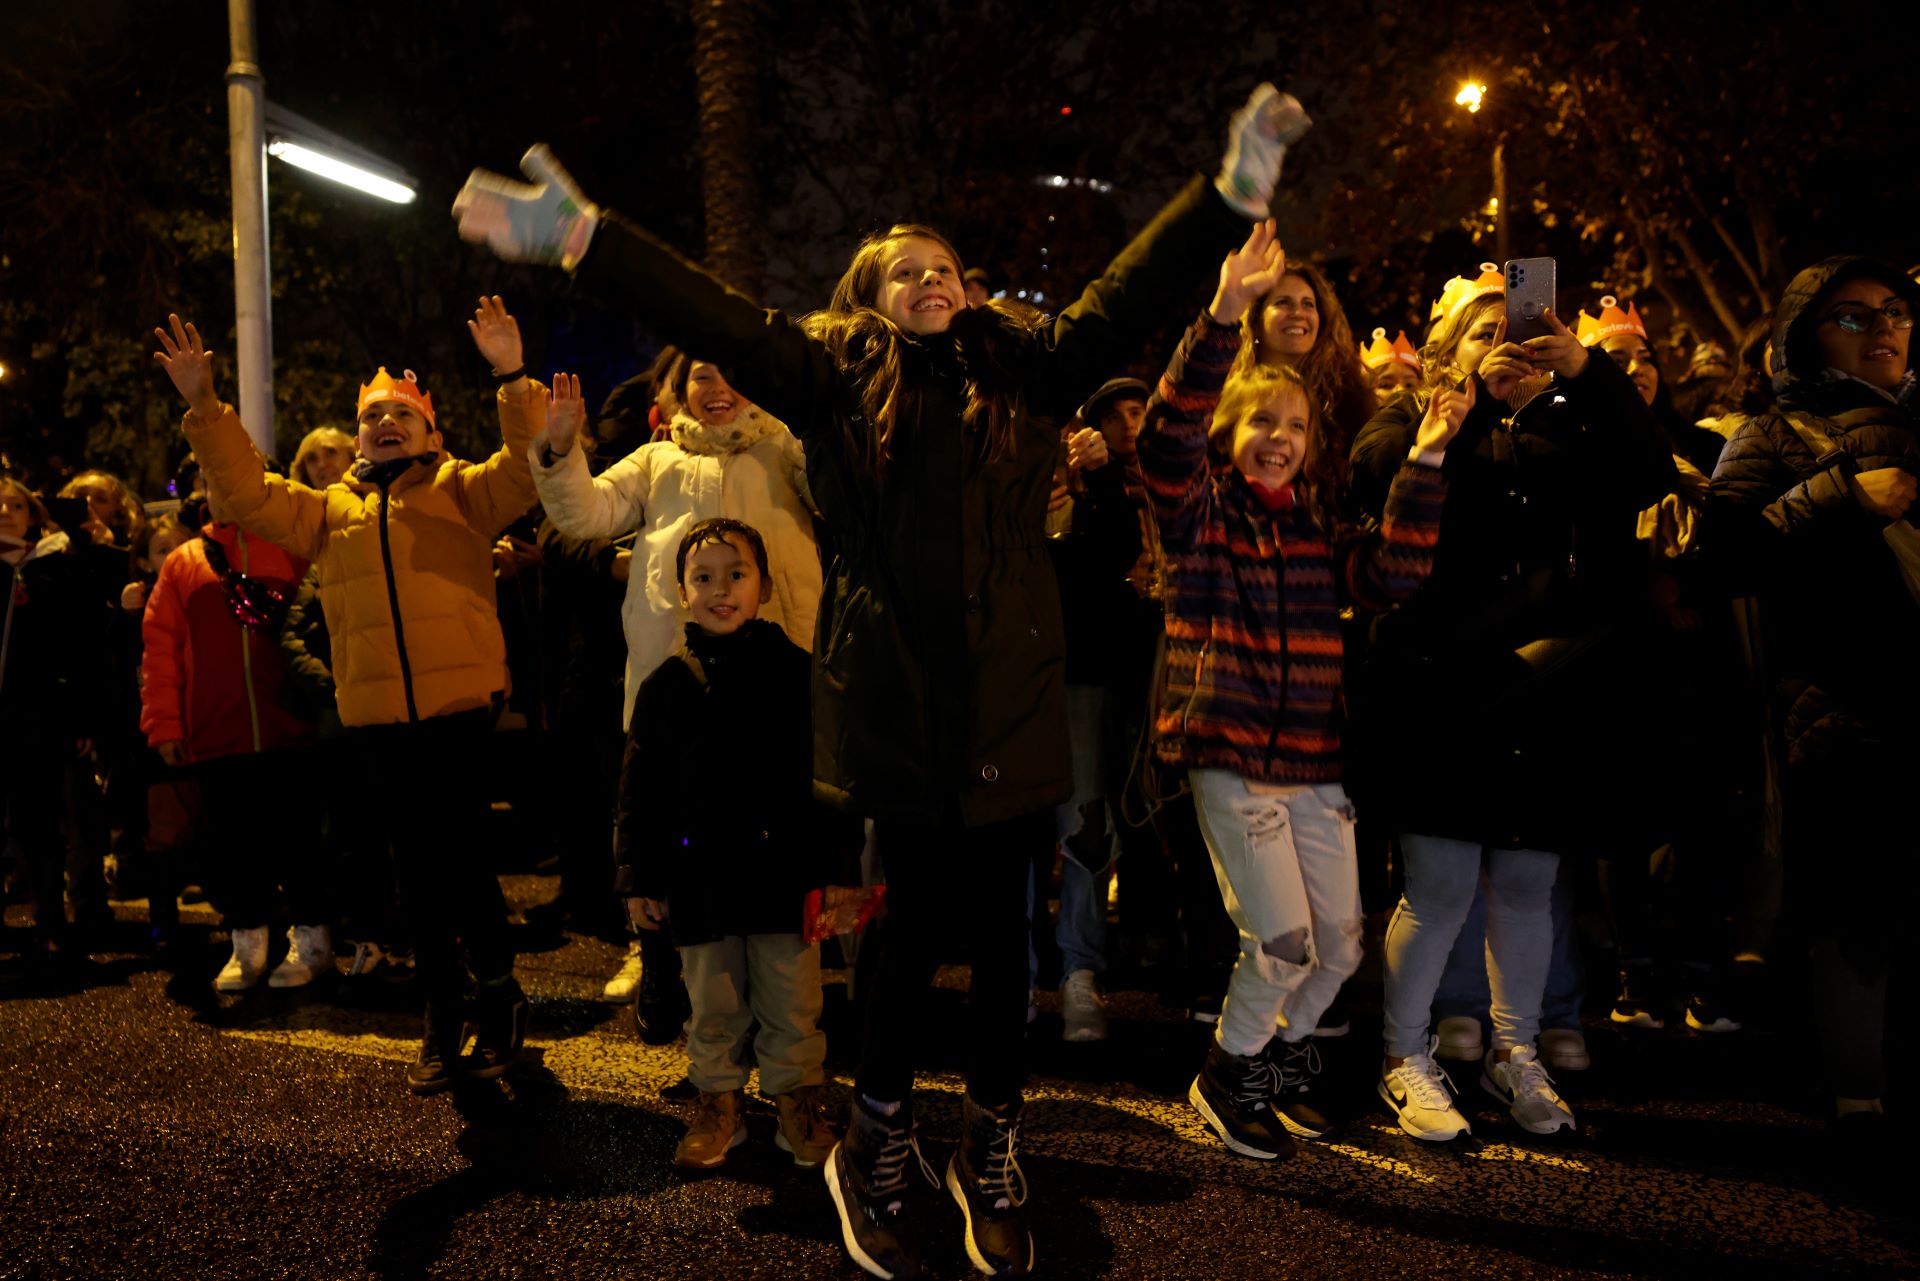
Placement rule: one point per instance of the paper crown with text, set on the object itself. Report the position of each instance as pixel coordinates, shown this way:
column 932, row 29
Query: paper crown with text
column 1460, row 291
column 1612, row 323
column 405, row 389
column 1381, row 352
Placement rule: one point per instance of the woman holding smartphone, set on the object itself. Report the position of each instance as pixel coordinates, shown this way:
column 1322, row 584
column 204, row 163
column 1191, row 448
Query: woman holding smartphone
column 1538, row 574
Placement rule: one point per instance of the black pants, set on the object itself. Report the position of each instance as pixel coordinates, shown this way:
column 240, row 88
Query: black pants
column 424, row 786
column 32, row 786
column 945, row 884
column 254, row 840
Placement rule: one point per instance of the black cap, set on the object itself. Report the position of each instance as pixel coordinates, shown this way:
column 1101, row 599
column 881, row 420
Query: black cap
column 1109, row 391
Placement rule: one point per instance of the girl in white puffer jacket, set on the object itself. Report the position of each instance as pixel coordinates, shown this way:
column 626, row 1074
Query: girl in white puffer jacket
column 726, row 457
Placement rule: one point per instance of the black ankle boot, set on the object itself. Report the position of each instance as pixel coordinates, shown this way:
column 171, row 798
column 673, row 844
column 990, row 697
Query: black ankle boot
column 660, row 1008
column 984, row 1177
column 442, row 1030
column 500, row 1018
column 1234, row 1096
column 868, row 1176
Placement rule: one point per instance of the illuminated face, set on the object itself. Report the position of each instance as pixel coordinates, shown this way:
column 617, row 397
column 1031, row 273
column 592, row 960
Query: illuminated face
column 710, row 399
column 16, row 515
column 1291, row 321
column 1270, row 440
column 327, row 464
column 1631, row 353
column 1121, row 424
column 1477, row 341
column 100, row 503
column 161, row 546
column 920, row 286
column 723, row 586
column 392, row 429
column 1877, row 352
column 1393, row 377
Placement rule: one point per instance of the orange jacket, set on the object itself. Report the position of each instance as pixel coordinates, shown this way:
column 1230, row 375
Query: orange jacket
column 205, row 680
column 424, row 552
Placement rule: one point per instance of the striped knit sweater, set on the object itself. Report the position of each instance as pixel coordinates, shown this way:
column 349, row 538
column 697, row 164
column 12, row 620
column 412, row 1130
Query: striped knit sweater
column 1254, row 650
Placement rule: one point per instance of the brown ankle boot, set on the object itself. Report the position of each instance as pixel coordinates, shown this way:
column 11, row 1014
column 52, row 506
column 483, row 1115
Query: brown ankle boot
column 718, row 1127
column 803, row 1126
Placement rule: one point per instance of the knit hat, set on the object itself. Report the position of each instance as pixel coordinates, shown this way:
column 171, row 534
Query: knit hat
column 1381, row 353
column 406, row 390
column 1612, row 323
column 1108, row 392
column 1460, row 291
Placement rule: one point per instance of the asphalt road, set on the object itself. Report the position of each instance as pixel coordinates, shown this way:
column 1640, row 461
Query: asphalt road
column 151, row 1129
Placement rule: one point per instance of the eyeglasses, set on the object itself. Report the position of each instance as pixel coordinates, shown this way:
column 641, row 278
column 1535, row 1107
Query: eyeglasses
column 1857, row 317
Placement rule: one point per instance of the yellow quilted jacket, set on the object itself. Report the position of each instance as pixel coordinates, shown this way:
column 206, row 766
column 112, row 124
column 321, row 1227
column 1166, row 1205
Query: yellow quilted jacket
column 407, row 591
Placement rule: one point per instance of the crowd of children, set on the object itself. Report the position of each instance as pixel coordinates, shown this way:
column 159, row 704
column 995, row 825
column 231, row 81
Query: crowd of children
column 920, row 559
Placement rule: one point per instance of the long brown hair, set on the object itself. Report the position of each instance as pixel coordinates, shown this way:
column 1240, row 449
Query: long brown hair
column 987, row 341
column 1336, row 380
column 1325, row 463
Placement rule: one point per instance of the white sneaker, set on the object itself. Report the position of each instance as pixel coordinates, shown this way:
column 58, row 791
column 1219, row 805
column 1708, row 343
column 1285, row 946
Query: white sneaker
column 1422, row 1097
column 249, row 959
column 1459, row 1038
column 624, row 987
column 1565, row 1049
column 309, row 955
column 1524, row 1086
column 1082, row 1008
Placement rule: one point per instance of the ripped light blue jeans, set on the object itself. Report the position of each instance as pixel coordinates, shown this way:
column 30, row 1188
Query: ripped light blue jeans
column 1289, row 875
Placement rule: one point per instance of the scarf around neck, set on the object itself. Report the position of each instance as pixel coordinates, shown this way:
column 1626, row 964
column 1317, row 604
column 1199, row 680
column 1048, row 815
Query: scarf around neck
column 748, row 428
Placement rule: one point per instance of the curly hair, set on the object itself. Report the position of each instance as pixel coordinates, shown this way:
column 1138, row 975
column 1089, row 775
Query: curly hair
column 1339, row 385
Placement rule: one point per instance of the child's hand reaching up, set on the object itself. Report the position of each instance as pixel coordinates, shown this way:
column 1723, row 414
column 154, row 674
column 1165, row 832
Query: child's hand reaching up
column 190, row 365
column 1248, row 272
column 497, row 335
column 1445, row 412
column 566, row 414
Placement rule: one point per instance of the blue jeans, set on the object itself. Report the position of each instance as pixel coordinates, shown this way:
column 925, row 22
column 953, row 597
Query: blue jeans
column 1464, row 991
column 1081, row 930
column 1443, row 876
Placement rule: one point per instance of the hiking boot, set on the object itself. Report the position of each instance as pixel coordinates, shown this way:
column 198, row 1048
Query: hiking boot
column 1234, row 1096
column 866, row 1175
column 500, row 1028
column 803, row 1126
column 624, row 987
column 984, row 1177
column 1459, row 1038
column 248, row 962
column 1297, row 1065
column 1526, row 1089
column 309, row 955
column 661, row 1008
column 1422, row 1097
column 1082, row 1009
column 443, row 1028
column 718, row 1128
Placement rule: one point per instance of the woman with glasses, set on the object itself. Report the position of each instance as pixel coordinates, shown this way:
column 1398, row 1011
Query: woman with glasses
column 1809, row 506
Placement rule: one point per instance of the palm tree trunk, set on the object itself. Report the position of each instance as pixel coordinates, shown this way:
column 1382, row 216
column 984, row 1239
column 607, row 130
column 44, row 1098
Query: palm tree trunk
column 727, row 70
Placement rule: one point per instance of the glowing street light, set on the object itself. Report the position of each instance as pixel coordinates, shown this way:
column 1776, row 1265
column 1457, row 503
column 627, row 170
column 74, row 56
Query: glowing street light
column 1471, row 94
column 305, row 145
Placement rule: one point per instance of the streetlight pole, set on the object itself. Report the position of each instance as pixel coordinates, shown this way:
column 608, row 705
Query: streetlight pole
column 252, row 297
column 1500, row 199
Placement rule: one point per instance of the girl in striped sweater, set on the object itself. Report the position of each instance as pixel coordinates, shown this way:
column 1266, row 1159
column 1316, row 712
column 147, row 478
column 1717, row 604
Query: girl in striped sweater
column 1262, row 562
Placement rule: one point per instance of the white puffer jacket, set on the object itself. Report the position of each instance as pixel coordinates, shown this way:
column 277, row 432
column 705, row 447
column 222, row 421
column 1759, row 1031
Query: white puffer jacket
column 663, row 490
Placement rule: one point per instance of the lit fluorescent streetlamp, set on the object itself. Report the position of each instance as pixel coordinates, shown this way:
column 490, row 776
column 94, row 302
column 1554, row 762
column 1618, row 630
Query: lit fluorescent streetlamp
column 305, row 145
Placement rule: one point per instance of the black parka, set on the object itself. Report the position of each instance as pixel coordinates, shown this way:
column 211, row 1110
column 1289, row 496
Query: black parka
column 939, row 683
column 1842, row 631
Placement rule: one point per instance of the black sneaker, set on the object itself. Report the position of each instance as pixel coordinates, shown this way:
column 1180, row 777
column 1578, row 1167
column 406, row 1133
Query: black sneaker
column 1297, row 1064
column 984, row 1177
column 1704, row 1014
column 661, row 1008
column 1234, row 1095
column 500, row 1018
column 443, row 1030
column 1637, row 1005
column 867, row 1177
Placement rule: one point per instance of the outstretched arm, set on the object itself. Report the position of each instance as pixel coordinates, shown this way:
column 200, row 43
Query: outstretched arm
column 499, row 491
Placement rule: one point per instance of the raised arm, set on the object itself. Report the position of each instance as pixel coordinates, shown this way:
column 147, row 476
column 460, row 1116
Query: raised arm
column 274, row 508
column 582, row 505
column 766, row 354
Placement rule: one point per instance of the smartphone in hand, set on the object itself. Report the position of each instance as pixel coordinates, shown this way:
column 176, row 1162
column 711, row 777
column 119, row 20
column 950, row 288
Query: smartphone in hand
column 1530, row 295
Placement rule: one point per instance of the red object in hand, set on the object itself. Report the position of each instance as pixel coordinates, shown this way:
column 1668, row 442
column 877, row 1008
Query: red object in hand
column 852, row 915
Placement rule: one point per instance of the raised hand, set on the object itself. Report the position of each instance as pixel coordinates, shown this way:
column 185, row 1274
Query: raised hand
column 1504, row 366
column 1257, row 140
column 1086, row 450
column 1558, row 351
column 566, row 414
column 1248, row 272
column 1445, row 412
column 548, row 220
column 190, row 365
column 497, row 335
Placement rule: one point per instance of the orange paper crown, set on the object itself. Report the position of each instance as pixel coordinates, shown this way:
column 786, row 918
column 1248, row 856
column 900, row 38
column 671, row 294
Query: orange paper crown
column 1381, row 352
column 1612, row 323
column 1460, row 291
column 406, row 390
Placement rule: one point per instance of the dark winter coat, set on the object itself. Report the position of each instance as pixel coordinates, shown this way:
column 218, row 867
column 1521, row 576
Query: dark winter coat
column 1091, row 559
column 308, row 650
column 56, row 658
column 717, row 815
column 1842, row 632
column 939, row 688
column 1504, row 703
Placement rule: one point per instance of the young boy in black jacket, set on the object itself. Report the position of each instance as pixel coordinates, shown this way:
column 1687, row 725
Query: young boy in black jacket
column 719, row 837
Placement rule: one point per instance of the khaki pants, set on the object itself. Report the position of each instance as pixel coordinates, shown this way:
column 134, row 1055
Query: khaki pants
column 771, row 979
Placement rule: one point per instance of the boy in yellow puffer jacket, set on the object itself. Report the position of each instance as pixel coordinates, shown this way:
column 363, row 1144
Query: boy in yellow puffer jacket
column 404, row 546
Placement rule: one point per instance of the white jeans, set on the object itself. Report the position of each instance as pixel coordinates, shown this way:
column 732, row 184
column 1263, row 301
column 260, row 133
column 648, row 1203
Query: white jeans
column 1290, row 879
